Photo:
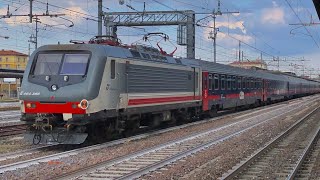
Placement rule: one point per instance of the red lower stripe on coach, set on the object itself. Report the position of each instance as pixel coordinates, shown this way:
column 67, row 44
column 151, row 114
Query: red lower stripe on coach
column 133, row 102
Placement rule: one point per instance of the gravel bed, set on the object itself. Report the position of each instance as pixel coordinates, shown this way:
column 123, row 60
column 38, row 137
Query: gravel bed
column 93, row 157
column 213, row 162
column 12, row 123
column 9, row 108
column 315, row 173
column 73, row 163
column 30, row 156
column 13, row 143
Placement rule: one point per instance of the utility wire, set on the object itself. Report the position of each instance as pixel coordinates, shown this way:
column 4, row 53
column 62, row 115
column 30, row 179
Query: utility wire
column 302, row 22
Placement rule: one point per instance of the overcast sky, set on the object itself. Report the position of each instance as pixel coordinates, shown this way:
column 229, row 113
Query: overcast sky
column 262, row 26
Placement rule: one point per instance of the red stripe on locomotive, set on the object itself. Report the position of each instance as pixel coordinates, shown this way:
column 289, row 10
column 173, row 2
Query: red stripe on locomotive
column 68, row 107
column 133, row 102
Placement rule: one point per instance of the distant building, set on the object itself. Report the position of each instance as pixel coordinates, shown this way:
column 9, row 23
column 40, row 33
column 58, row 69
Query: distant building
column 250, row 64
column 13, row 60
column 10, row 59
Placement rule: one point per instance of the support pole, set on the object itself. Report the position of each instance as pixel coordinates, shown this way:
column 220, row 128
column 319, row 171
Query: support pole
column 191, row 40
column 30, row 15
column 100, row 17
column 239, row 51
column 36, row 38
column 214, row 40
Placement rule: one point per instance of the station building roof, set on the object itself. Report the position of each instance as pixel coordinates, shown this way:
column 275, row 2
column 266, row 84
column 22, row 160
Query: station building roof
column 11, row 53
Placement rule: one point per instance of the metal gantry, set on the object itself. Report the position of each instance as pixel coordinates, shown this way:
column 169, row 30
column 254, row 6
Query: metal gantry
column 184, row 19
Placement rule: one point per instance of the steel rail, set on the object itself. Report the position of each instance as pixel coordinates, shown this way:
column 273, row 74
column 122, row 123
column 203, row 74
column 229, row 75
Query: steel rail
column 26, row 163
column 232, row 174
column 178, row 155
column 304, row 155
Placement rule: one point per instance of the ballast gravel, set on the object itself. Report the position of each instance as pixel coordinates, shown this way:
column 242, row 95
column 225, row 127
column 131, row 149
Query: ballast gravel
column 213, row 162
column 51, row 169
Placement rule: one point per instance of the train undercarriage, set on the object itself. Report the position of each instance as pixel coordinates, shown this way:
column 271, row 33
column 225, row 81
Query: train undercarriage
column 52, row 129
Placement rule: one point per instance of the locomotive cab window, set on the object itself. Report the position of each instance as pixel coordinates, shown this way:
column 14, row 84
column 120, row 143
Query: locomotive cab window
column 47, row 64
column 74, row 64
column 61, row 64
column 113, row 69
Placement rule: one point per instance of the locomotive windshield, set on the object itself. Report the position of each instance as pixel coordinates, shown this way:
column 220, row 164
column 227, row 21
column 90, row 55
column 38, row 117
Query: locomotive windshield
column 48, row 64
column 74, row 64
column 63, row 64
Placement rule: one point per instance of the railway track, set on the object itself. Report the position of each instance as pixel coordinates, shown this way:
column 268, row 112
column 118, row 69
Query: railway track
column 9, row 108
column 308, row 161
column 12, row 130
column 9, row 114
column 283, row 157
column 36, row 150
column 13, row 155
column 259, row 112
column 141, row 163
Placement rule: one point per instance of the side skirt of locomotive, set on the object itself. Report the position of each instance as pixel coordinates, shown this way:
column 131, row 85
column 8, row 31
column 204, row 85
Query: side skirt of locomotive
column 96, row 127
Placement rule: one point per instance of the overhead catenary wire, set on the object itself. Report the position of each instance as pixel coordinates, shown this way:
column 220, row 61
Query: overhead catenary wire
column 295, row 13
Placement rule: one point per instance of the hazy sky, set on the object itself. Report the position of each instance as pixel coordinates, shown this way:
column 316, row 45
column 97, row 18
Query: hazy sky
column 262, row 26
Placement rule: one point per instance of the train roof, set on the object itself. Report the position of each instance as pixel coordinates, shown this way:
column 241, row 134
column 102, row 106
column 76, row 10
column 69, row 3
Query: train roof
column 151, row 54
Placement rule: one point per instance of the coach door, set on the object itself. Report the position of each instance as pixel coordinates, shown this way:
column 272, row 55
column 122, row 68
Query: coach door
column 196, row 86
column 205, row 100
column 264, row 90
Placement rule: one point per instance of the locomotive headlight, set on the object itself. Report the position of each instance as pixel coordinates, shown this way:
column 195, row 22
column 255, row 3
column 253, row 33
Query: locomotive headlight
column 28, row 105
column 54, row 87
column 84, row 104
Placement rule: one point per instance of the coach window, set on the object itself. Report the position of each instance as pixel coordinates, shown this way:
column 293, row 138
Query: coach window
column 223, row 84
column 113, row 69
column 256, row 84
column 196, row 80
column 210, row 81
column 234, row 84
column 229, row 83
column 239, row 82
column 216, row 82
column 248, row 83
column 259, row 83
column 252, row 83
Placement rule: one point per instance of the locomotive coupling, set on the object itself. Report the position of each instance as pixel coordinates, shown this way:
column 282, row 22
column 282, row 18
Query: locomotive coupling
column 42, row 124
